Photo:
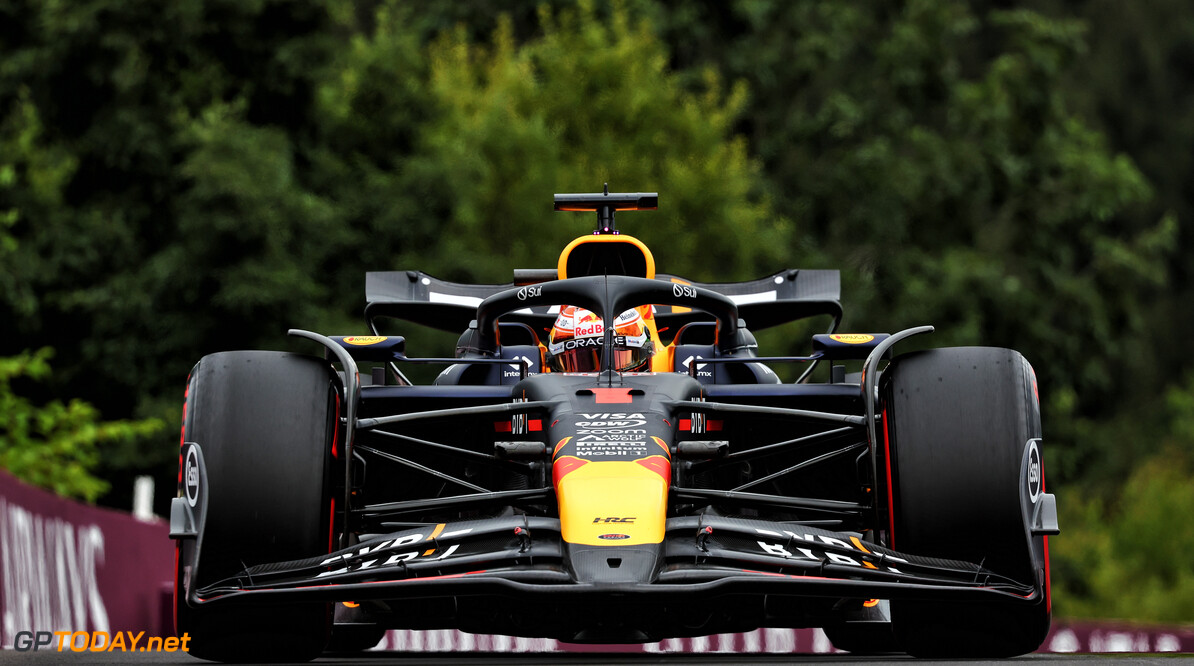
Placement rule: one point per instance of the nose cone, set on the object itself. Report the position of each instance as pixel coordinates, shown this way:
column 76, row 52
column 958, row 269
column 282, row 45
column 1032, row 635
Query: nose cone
column 612, row 515
column 612, row 503
column 611, row 468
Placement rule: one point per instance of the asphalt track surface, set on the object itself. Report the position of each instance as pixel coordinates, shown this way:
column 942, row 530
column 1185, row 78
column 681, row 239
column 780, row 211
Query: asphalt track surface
column 577, row 659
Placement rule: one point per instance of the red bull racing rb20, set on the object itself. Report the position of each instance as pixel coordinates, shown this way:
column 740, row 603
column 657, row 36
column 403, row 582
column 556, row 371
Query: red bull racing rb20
column 608, row 458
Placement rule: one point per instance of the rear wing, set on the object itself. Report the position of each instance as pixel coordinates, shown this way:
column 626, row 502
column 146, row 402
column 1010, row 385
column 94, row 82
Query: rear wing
column 777, row 299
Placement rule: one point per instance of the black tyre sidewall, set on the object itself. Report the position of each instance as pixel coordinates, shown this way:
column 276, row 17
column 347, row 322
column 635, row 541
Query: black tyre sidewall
column 957, row 423
column 265, row 423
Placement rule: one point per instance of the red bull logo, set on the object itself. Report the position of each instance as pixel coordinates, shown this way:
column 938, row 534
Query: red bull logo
column 596, row 328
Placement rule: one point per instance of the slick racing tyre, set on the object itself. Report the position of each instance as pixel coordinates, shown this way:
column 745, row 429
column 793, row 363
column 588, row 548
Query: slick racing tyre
column 958, row 426
column 265, row 424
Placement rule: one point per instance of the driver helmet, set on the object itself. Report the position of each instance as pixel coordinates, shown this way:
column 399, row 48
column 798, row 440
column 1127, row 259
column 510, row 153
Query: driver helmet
column 578, row 335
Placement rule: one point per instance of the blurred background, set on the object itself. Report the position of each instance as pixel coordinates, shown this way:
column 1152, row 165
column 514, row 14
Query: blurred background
column 192, row 176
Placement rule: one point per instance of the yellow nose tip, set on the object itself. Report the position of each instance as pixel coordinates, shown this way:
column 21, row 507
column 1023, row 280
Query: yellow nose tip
column 607, row 503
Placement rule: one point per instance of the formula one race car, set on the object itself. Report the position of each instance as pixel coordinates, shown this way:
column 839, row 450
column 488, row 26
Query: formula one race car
column 570, row 475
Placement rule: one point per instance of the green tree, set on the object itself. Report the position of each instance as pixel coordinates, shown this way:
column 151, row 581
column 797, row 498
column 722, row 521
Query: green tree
column 57, row 446
column 1125, row 557
column 33, row 174
column 588, row 100
column 933, row 153
column 127, row 264
column 124, row 99
column 442, row 156
column 237, row 167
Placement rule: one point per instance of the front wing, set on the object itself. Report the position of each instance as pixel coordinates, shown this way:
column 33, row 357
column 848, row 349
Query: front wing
column 520, row 556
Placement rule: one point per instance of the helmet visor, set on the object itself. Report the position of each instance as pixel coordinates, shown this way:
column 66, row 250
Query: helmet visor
column 632, row 359
column 588, row 359
column 577, row 360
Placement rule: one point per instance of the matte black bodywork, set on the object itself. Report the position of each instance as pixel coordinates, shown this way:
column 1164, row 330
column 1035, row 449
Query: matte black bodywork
column 773, row 518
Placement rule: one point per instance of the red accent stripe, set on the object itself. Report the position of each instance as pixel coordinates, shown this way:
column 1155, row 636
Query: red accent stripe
column 1048, row 584
column 182, row 434
column 609, row 396
column 685, row 425
column 336, row 429
column 780, row 575
column 369, row 582
column 444, row 577
column 503, row 426
column 712, row 425
column 565, row 466
column 331, row 523
column 890, row 500
column 535, row 425
column 658, row 464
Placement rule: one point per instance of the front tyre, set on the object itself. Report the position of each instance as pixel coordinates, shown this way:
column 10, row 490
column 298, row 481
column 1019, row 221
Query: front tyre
column 265, row 423
column 957, row 423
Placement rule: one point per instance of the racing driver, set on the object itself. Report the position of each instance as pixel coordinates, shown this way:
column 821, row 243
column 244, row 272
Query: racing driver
column 578, row 335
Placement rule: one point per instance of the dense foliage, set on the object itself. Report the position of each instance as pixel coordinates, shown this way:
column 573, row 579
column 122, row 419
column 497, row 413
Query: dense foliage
column 57, row 445
column 205, row 174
